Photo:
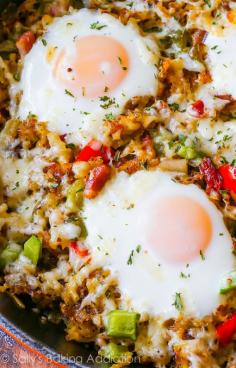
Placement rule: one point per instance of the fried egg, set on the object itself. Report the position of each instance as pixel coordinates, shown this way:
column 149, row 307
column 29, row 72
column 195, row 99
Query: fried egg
column 164, row 241
column 85, row 68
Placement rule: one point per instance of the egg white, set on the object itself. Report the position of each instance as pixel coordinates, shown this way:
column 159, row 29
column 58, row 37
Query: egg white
column 116, row 220
column 45, row 97
column 221, row 60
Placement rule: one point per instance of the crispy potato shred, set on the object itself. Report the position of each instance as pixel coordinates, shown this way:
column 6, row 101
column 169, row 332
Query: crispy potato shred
column 41, row 172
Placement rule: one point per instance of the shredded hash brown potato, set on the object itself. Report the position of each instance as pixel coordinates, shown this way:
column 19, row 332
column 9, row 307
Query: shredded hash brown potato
column 38, row 168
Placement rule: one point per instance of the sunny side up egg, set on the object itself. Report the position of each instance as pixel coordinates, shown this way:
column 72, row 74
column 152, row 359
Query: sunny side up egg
column 86, row 67
column 162, row 240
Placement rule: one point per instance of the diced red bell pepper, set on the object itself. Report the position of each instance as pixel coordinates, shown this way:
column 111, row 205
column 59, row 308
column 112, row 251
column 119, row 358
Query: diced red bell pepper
column 95, row 149
column 25, row 43
column 92, row 149
column 229, row 177
column 225, row 331
column 79, row 249
column 211, row 175
column 96, row 180
column 198, row 108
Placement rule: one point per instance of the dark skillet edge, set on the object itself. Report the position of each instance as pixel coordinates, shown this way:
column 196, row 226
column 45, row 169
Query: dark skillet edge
column 47, row 339
column 44, row 349
column 14, row 327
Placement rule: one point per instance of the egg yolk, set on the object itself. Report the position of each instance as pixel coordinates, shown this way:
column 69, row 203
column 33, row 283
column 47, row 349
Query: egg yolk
column 180, row 229
column 97, row 67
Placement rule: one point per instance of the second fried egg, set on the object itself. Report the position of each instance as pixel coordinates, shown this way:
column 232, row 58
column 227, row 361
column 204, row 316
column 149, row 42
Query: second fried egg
column 163, row 240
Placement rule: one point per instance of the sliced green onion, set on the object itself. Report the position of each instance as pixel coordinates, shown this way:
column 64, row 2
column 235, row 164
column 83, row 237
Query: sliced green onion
column 113, row 351
column 122, row 324
column 79, row 222
column 74, row 198
column 9, row 254
column 228, row 283
column 33, row 249
column 84, row 232
column 187, row 152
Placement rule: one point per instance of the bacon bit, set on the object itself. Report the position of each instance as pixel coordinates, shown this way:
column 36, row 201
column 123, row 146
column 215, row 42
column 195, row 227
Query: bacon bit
column 63, row 137
column 107, row 154
column 204, row 77
column 199, row 36
column 197, row 108
column 96, row 180
column 148, row 146
column 211, row 175
column 231, row 15
column 225, row 97
column 56, row 171
column 130, row 166
column 226, row 330
column 25, row 43
column 79, row 249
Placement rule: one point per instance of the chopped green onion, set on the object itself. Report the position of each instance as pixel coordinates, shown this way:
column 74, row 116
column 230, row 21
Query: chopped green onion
column 83, row 232
column 9, row 254
column 187, row 152
column 80, row 222
column 178, row 302
column 113, row 351
column 74, row 199
column 122, row 324
column 228, row 283
column 33, row 249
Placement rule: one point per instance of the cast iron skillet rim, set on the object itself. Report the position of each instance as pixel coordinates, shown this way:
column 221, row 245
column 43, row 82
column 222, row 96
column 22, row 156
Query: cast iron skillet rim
column 17, row 331
column 42, row 348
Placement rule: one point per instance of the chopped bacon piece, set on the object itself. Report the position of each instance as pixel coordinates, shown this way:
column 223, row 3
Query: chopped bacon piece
column 148, row 146
column 96, row 180
column 197, row 108
column 226, row 97
column 54, row 171
column 226, row 330
column 25, row 43
column 199, row 36
column 211, row 175
column 130, row 166
column 79, row 249
column 63, row 137
column 107, row 154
